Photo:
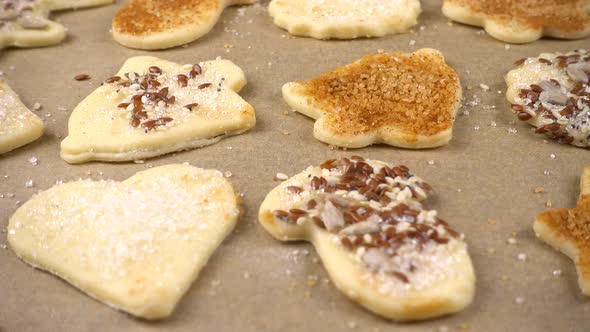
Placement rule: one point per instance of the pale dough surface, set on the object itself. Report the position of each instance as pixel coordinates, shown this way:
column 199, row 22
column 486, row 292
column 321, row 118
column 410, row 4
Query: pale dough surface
column 135, row 245
column 99, row 130
column 387, row 297
column 345, row 19
column 140, row 23
column 53, row 33
column 514, row 29
column 391, row 133
column 18, row 125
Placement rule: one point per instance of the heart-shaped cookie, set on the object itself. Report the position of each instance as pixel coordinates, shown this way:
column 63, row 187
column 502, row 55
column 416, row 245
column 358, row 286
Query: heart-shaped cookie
column 18, row 125
column 153, row 107
column 568, row 230
column 344, row 19
column 405, row 100
column 523, row 21
column 25, row 23
column 159, row 24
column 380, row 247
column 135, row 245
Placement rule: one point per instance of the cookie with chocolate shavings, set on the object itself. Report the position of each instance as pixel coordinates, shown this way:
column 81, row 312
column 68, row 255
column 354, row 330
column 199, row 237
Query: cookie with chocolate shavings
column 379, row 245
column 153, row 107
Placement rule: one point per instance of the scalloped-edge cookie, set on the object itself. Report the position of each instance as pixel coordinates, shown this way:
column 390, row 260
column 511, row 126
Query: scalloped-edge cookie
column 523, row 21
column 568, row 230
column 160, row 24
column 153, row 107
column 25, row 23
column 18, row 125
column 552, row 93
column 404, row 100
column 135, row 245
column 379, row 245
column 344, row 19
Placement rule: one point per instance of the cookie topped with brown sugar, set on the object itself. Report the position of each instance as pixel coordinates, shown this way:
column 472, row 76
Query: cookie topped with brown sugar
column 405, row 100
column 523, row 21
column 159, row 24
column 568, row 231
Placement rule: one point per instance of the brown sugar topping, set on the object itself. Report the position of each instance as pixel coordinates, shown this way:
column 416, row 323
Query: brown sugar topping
column 416, row 93
column 140, row 17
column 566, row 15
column 578, row 221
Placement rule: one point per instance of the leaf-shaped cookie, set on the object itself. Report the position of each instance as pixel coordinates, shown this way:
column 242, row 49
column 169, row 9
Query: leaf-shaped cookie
column 379, row 245
column 25, row 23
column 568, row 231
column 159, row 24
column 523, row 21
column 153, row 107
column 135, row 245
column 344, row 19
column 18, row 125
column 405, row 100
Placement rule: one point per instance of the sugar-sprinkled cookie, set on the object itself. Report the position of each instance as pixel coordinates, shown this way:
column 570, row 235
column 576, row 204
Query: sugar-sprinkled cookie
column 135, row 245
column 18, row 125
column 552, row 93
column 568, row 230
column 405, row 100
column 153, row 107
column 344, row 19
column 25, row 23
column 379, row 245
column 523, row 21
column 159, row 24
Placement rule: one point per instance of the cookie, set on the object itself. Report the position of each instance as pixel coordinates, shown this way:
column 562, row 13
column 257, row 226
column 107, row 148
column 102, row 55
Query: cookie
column 18, row 125
column 160, row 24
column 25, row 23
column 135, row 245
column 568, row 230
column 523, row 21
column 153, row 107
column 379, row 245
column 404, row 100
column 344, row 19
column 552, row 93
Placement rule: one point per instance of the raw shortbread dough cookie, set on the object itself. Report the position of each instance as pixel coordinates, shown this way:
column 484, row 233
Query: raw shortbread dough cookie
column 568, row 230
column 135, row 245
column 523, row 21
column 159, row 24
column 153, row 107
column 379, row 245
column 25, row 23
column 344, row 19
column 552, row 93
column 18, row 125
column 405, row 100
